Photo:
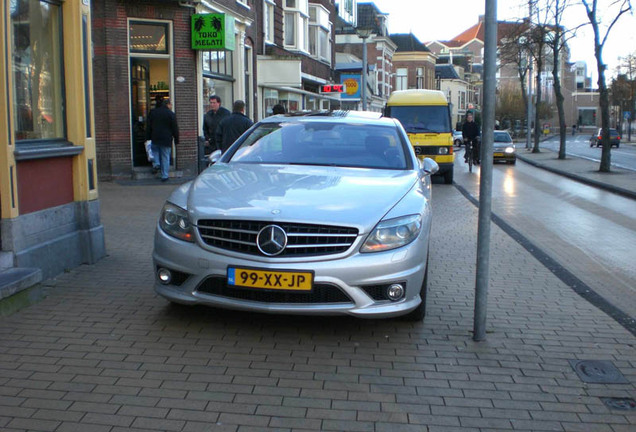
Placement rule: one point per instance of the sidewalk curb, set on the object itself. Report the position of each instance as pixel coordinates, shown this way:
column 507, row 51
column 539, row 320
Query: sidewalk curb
column 558, row 270
column 611, row 188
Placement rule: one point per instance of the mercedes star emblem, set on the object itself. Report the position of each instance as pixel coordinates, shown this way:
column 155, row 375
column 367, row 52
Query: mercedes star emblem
column 271, row 240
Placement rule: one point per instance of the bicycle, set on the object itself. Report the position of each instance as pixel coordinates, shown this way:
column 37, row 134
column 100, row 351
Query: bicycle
column 471, row 154
column 468, row 154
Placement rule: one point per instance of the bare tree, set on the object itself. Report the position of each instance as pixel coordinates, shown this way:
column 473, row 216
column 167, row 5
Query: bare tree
column 512, row 52
column 557, row 40
column 615, row 9
column 537, row 43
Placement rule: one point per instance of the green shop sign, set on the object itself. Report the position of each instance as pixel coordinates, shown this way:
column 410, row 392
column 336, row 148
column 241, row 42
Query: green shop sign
column 213, row 32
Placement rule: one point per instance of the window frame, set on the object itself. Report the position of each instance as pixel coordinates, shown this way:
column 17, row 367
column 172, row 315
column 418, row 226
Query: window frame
column 269, row 10
column 300, row 14
column 401, row 81
column 60, row 139
column 319, row 28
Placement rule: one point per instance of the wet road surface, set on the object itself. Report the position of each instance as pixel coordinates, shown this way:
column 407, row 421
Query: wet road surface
column 591, row 232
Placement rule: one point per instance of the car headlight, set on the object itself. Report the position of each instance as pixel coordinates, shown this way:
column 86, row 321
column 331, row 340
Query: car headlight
column 443, row 150
column 174, row 221
column 393, row 233
column 510, row 150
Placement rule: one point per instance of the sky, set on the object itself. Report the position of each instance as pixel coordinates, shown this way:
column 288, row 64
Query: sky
column 445, row 19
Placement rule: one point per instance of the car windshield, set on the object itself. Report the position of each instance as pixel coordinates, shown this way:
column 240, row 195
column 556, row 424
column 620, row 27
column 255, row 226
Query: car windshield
column 502, row 137
column 423, row 119
column 323, row 143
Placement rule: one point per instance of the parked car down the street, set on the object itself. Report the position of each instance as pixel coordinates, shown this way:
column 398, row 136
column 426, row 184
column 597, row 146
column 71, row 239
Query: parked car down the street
column 315, row 215
column 458, row 139
column 615, row 138
column 503, row 148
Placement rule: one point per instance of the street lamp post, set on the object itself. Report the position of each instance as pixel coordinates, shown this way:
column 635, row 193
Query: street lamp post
column 364, row 34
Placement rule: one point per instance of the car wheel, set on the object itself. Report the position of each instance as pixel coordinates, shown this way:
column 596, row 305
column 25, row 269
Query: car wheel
column 448, row 177
column 617, row 145
column 512, row 162
column 419, row 312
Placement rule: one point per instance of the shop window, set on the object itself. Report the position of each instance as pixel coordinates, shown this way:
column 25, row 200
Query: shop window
column 319, row 33
column 268, row 21
column 38, row 73
column 401, row 79
column 587, row 117
column 291, row 101
column 270, row 98
column 148, row 38
column 295, row 25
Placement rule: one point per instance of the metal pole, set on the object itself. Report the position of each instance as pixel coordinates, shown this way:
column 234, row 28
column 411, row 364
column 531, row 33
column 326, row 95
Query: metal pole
column 529, row 115
column 364, row 74
column 530, row 104
column 485, row 181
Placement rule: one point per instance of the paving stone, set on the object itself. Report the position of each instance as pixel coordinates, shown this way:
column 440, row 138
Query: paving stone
column 110, row 350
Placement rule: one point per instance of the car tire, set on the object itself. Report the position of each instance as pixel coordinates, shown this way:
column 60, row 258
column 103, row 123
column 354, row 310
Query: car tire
column 512, row 162
column 419, row 312
column 448, row 177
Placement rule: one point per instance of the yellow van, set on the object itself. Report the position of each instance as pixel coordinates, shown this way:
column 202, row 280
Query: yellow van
column 425, row 115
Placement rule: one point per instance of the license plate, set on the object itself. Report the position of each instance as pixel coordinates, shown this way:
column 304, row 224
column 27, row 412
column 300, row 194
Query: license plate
column 498, row 154
column 266, row 279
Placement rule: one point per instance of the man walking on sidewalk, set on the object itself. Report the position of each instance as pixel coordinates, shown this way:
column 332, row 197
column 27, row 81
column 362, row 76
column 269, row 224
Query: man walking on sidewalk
column 232, row 127
column 162, row 128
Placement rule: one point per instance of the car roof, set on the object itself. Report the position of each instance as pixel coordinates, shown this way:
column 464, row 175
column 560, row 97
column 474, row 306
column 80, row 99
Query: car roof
column 360, row 117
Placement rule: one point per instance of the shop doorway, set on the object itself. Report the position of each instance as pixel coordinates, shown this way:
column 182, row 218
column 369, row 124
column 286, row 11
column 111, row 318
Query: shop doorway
column 149, row 84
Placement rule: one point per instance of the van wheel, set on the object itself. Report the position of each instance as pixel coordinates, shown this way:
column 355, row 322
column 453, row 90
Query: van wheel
column 448, row 177
column 419, row 312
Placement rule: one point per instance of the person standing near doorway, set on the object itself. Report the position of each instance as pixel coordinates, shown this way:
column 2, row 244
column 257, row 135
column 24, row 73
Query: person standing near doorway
column 233, row 126
column 162, row 129
column 211, row 120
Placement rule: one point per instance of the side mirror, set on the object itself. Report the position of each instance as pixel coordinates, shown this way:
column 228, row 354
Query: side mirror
column 429, row 166
column 214, row 156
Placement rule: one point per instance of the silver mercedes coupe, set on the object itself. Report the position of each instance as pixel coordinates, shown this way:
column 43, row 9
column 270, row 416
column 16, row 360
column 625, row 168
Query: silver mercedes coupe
column 314, row 215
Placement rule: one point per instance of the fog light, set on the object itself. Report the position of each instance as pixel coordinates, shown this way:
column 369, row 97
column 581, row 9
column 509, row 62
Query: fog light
column 395, row 292
column 164, row 275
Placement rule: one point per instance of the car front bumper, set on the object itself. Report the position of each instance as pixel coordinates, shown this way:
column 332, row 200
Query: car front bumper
column 501, row 156
column 350, row 273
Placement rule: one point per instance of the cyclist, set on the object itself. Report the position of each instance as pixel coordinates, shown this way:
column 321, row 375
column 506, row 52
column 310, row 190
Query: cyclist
column 470, row 132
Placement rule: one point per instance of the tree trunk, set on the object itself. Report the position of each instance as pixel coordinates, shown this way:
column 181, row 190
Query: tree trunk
column 537, row 128
column 559, row 97
column 604, row 105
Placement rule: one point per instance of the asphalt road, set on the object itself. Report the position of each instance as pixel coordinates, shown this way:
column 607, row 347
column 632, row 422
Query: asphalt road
column 587, row 230
column 579, row 145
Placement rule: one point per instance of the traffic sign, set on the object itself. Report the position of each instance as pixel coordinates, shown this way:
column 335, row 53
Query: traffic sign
column 627, row 115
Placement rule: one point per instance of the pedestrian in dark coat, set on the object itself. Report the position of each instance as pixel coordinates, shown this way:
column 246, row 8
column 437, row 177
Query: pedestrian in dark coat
column 162, row 129
column 233, row 126
column 211, row 120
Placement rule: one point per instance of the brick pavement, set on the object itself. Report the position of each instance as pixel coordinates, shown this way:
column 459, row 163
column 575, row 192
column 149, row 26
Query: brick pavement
column 103, row 353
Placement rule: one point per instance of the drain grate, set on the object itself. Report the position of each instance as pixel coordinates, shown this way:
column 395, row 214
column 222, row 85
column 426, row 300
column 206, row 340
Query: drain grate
column 598, row 371
column 622, row 404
